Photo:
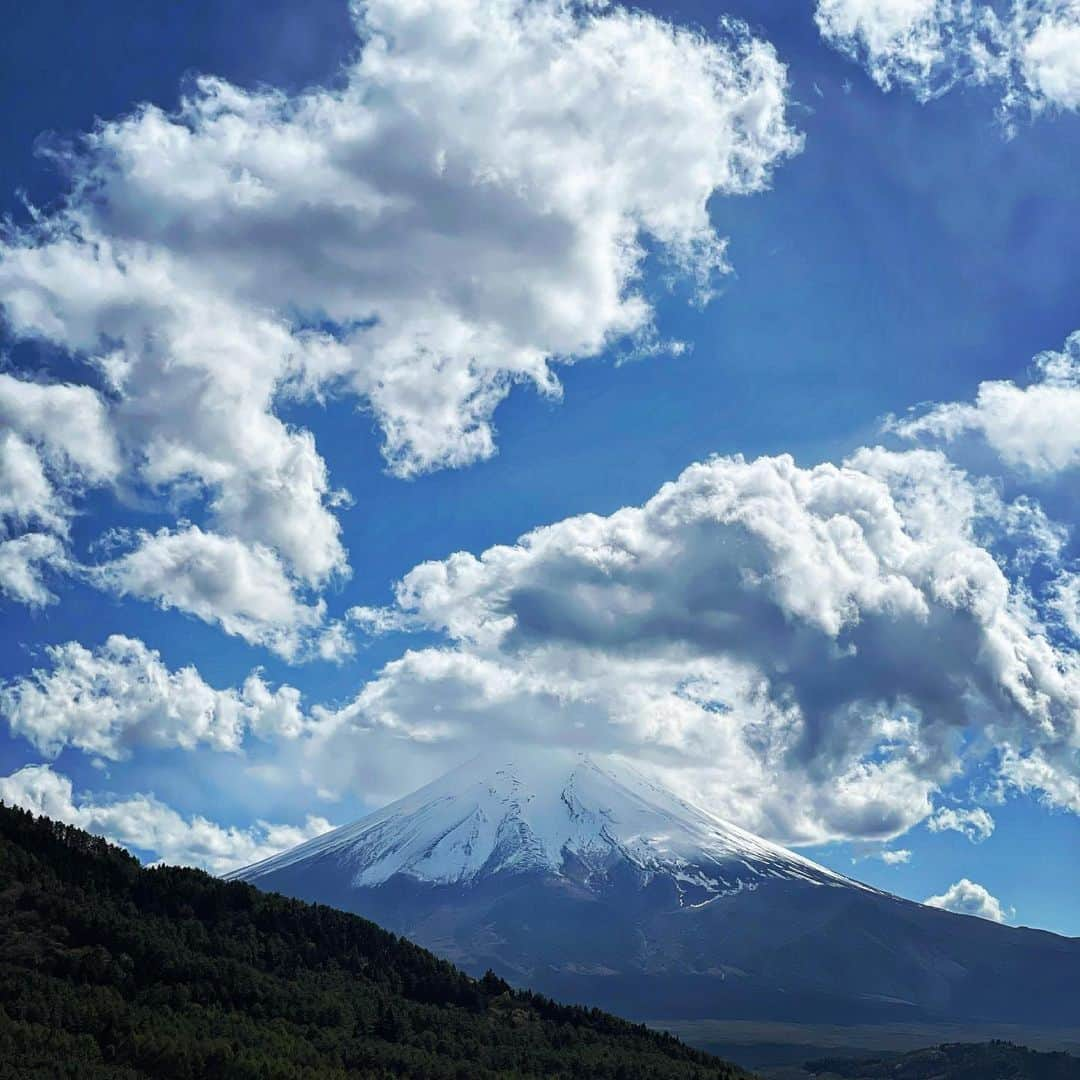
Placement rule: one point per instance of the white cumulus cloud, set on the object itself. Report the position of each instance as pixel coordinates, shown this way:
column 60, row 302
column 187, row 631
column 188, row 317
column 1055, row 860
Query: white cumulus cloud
column 26, row 495
column 107, row 700
column 1065, row 601
column 23, row 561
column 68, row 423
column 975, row 823
column 895, row 856
column 969, row 898
column 219, row 579
column 1049, row 51
column 1032, row 428
column 53, row 439
column 147, row 824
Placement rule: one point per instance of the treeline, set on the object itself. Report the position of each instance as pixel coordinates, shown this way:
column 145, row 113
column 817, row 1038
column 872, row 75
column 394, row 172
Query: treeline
column 995, row 1060
column 110, row 969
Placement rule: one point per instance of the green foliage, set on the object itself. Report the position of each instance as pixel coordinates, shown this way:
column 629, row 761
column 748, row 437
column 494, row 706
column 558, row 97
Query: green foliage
column 109, row 969
column 953, row 1061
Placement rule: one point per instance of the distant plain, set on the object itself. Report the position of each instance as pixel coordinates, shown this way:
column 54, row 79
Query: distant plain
column 776, row 1051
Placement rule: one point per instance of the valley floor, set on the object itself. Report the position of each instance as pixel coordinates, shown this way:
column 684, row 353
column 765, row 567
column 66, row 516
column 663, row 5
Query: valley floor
column 776, row 1051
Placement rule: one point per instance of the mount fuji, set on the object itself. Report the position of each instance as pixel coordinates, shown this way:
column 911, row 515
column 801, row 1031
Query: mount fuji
column 585, row 880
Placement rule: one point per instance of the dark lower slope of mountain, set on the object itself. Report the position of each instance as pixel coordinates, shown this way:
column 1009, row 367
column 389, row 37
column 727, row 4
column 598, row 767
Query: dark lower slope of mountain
column 959, row 1061
column 108, row 969
column 784, row 951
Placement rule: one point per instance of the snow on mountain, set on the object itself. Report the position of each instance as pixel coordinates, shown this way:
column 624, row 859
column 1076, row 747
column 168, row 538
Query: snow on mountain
column 553, row 812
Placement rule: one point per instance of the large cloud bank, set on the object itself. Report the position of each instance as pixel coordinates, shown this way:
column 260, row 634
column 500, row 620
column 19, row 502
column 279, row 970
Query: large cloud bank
column 816, row 653
column 470, row 204
column 820, row 650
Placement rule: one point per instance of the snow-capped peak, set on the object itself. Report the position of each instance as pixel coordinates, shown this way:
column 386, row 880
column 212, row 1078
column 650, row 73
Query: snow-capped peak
column 554, row 812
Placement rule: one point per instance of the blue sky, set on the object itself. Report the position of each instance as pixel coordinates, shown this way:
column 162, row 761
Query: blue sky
column 888, row 253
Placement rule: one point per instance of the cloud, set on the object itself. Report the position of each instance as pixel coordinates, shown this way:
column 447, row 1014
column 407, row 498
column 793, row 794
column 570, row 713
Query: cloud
column 895, row 857
column 33, row 520
column 975, row 823
column 1042, row 774
column 52, row 439
column 22, row 562
column 1049, row 52
column 144, row 823
column 969, row 898
column 1065, row 601
column 242, row 587
column 468, row 205
column 68, row 423
column 26, row 495
column 814, row 652
column 108, row 700
column 1031, row 54
column 817, row 653
column 1031, row 428
column 904, row 42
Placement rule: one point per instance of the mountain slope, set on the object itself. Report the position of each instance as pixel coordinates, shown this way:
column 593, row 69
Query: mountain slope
column 593, row 884
column 108, row 969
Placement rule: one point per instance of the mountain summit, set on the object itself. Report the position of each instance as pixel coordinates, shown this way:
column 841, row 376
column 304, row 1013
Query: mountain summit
column 588, row 881
column 555, row 813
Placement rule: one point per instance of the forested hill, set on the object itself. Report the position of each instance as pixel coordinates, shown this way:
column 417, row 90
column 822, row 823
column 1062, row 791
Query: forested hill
column 110, row 969
column 956, row 1061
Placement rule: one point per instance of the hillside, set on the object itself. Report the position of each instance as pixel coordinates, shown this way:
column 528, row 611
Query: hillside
column 110, row 969
column 960, row 1061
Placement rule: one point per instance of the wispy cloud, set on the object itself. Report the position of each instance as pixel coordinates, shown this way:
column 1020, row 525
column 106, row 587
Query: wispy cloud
column 1030, row 53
